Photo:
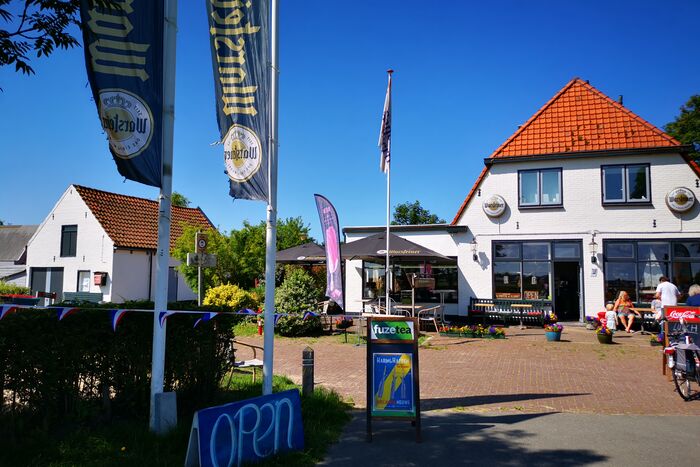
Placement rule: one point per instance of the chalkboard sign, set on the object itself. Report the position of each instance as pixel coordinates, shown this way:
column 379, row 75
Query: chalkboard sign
column 393, row 390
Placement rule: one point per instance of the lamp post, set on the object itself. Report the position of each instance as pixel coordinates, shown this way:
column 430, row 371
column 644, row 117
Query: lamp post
column 475, row 247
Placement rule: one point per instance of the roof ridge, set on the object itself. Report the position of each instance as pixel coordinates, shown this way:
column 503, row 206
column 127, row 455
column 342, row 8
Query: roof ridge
column 535, row 115
column 82, row 187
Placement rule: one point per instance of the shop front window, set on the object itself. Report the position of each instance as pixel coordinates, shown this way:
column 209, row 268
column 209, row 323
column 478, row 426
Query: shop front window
column 445, row 277
column 507, row 280
column 373, row 280
column 536, row 281
column 648, row 277
column 620, row 276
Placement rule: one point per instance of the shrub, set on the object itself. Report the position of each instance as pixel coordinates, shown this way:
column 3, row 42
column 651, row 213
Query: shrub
column 230, row 297
column 295, row 325
column 11, row 289
column 297, row 294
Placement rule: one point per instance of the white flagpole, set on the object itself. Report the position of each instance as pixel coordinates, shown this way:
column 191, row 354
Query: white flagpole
column 163, row 251
column 271, row 246
column 387, row 272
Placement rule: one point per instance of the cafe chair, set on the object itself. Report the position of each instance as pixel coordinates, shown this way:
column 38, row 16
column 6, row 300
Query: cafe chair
column 253, row 363
column 431, row 315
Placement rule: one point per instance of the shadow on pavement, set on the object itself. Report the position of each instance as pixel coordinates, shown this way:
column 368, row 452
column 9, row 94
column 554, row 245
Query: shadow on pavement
column 451, row 438
column 452, row 402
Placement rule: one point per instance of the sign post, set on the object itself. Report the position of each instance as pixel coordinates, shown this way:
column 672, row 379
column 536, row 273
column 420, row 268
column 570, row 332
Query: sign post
column 393, row 389
column 200, row 244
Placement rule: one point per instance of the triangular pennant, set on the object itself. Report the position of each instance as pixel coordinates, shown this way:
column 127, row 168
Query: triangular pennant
column 65, row 311
column 163, row 316
column 6, row 310
column 309, row 314
column 116, row 316
column 205, row 317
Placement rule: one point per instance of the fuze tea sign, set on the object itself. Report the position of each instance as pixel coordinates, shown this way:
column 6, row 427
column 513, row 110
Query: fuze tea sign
column 392, row 330
column 393, row 390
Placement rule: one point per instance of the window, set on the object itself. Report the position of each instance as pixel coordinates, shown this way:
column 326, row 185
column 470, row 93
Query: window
column 539, row 188
column 83, row 281
column 446, row 279
column 69, row 240
column 626, row 184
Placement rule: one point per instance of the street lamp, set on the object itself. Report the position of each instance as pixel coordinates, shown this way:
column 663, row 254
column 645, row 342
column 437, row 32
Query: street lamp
column 593, row 250
column 475, row 247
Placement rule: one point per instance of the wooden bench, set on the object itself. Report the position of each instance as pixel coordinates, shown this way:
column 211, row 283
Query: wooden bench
column 77, row 297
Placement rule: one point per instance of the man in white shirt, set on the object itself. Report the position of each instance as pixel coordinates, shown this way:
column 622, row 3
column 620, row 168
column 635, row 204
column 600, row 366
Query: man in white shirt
column 667, row 292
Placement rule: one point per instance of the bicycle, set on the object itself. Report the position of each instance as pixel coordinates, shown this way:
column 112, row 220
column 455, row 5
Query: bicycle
column 684, row 361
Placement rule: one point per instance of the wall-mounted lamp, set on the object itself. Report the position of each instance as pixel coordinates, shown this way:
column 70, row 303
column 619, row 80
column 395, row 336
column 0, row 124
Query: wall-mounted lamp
column 475, row 247
column 593, row 250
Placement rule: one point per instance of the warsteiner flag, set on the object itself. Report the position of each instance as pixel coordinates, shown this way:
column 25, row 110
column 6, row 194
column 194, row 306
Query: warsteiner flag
column 240, row 50
column 123, row 46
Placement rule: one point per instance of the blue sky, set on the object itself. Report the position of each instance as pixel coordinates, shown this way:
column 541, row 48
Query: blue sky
column 467, row 74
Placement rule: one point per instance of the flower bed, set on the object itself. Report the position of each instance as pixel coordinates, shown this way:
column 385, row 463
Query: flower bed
column 474, row 331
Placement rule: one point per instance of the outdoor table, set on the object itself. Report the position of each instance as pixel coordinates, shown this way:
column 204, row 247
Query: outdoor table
column 410, row 308
column 521, row 305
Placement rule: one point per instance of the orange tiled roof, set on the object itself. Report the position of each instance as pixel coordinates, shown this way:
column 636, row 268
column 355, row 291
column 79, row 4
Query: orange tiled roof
column 132, row 222
column 579, row 118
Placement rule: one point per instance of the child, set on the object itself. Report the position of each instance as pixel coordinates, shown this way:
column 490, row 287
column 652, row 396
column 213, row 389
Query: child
column 610, row 318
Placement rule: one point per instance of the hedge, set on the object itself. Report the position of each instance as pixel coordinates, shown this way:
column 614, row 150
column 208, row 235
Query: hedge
column 79, row 368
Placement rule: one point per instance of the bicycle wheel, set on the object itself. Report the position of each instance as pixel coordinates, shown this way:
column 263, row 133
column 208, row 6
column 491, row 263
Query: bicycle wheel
column 686, row 387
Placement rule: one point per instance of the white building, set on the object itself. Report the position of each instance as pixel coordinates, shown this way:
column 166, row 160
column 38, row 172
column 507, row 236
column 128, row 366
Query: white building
column 13, row 252
column 101, row 242
column 585, row 199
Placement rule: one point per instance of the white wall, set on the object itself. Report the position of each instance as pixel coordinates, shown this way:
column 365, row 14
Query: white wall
column 439, row 241
column 130, row 275
column 581, row 214
column 93, row 248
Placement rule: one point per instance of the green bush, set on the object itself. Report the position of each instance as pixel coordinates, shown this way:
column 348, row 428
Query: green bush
column 229, row 297
column 56, row 371
column 10, row 289
column 295, row 325
column 297, row 294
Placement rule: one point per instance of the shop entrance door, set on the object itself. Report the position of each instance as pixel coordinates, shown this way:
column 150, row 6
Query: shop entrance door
column 567, row 290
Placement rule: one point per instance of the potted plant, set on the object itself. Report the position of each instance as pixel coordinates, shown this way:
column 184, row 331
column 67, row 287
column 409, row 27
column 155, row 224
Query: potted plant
column 592, row 322
column 553, row 331
column 604, row 334
column 550, row 318
column 657, row 339
column 343, row 323
column 496, row 333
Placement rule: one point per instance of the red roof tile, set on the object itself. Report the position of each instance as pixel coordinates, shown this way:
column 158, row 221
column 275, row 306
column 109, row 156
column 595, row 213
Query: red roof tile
column 132, row 222
column 578, row 119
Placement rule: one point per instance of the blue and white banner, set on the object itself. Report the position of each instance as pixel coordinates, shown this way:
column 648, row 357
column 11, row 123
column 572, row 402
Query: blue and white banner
column 331, row 237
column 123, row 47
column 240, row 50
column 66, row 311
column 247, row 431
column 204, row 317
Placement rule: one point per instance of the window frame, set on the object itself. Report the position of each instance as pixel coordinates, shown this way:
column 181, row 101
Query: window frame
column 626, row 201
column 540, row 204
column 66, row 253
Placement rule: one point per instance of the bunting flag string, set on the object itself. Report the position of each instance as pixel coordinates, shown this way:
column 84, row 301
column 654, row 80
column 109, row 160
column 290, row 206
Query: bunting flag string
column 116, row 316
column 163, row 316
column 65, row 311
column 206, row 317
column 309, row 314
column 6, row 310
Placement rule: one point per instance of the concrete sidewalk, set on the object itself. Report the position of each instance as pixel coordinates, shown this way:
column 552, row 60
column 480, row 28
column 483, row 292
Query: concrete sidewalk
column 519, row 439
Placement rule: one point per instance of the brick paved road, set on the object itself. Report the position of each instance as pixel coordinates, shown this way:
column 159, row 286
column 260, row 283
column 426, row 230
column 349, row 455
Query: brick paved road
column 523, row 373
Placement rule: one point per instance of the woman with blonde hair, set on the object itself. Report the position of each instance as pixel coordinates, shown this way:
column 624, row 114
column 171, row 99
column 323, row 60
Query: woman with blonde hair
column 623, row 307
column 693, row 295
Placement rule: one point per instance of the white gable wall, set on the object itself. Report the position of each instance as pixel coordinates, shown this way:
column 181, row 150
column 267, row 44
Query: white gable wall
column 581, row 214
column 93, row 249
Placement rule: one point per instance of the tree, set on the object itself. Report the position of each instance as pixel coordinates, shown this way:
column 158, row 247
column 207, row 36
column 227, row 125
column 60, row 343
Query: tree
column 413, row 214
column 240, row 254
column 686, row 127
column 178, row 199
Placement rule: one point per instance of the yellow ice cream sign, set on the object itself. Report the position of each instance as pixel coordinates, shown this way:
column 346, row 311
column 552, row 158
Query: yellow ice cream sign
column 386, row 394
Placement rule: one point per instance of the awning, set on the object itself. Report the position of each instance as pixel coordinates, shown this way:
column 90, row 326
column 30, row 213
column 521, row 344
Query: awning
column 374, row 247
column 308, row 253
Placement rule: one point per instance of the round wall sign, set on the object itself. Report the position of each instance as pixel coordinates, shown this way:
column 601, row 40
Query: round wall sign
column 494, row 206
column 680, row 199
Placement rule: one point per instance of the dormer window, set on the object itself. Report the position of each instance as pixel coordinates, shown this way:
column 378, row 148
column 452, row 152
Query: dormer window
column 539, row 188
column 626, row 184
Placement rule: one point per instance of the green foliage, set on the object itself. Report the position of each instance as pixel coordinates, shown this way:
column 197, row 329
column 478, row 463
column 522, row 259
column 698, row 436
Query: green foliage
column 79, row 369
column 296, row 326
column 11, row 289
column 413, row 214
column 297, row 294
column 686, row 127
column 240, row 254
column 228, row 297
column 178, row 199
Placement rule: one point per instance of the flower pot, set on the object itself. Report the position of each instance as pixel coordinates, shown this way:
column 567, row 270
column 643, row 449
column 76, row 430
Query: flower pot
column 552, row 336
column 604, row 338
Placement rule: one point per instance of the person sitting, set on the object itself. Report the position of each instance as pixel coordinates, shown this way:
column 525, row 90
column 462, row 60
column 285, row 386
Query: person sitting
column 623, row 307
column 693, row 295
